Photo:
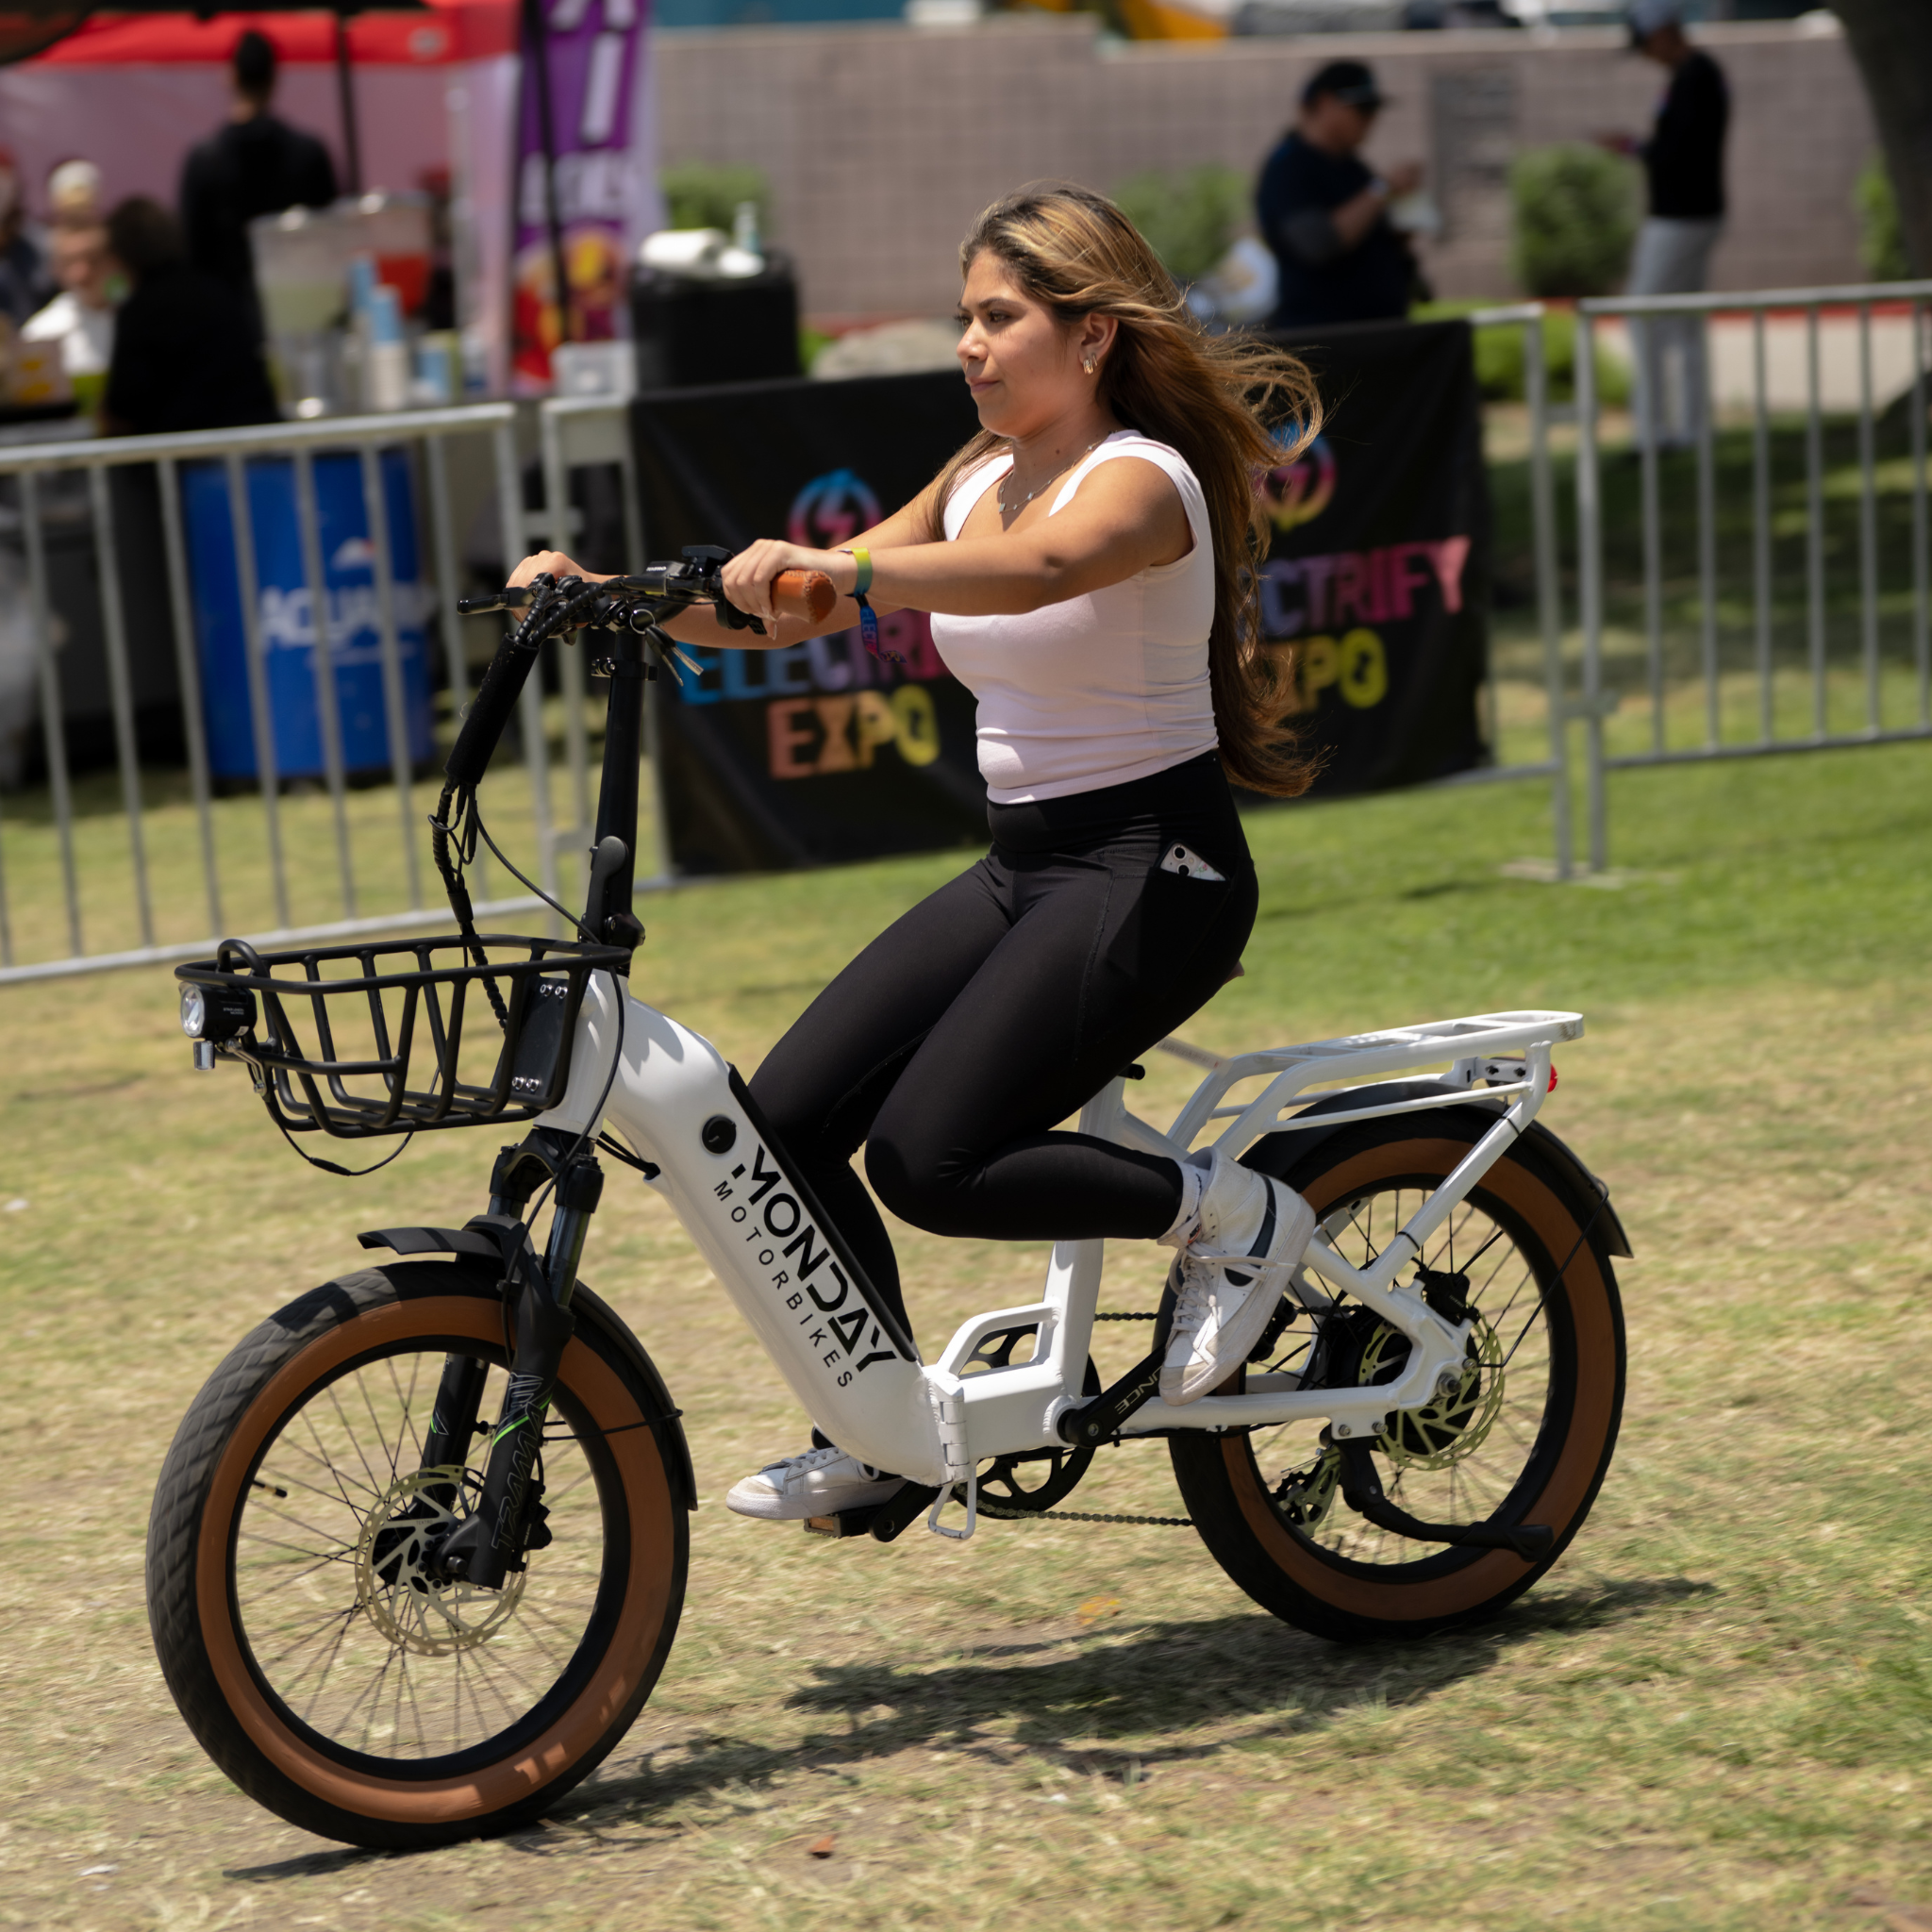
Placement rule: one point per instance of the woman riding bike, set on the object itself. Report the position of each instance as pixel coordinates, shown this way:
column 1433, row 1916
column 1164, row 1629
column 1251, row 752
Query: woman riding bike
column 1089, row 561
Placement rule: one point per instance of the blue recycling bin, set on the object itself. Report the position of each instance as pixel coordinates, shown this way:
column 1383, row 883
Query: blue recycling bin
column 288, row 623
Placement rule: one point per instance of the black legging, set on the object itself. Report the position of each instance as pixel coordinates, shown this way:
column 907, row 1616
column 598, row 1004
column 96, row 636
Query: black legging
column 1003, row 1003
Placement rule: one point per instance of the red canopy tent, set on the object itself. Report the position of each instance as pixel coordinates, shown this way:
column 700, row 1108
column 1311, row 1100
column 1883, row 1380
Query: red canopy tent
column 431, row 34
column 443, row 30
column 132, row 90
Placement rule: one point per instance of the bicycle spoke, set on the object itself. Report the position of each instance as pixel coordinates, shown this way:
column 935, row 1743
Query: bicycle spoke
column 335, row 1650
column 321, row 1456
column 409, row 1406
column 381, row 1434
column 335, row 1402
column 248, row 1536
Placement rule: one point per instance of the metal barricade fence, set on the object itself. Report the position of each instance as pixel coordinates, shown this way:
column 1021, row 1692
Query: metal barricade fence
column 29, row 472
column 1888, row 712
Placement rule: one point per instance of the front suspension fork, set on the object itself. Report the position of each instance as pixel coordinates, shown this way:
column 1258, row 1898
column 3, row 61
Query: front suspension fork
column 507, row 1521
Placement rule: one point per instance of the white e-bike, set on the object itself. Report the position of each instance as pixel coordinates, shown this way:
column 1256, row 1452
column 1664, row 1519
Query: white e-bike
column 418, row 1551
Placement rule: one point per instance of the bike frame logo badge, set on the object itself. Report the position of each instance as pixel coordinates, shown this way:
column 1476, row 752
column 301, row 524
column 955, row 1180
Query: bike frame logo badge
column 830, row 510
column 1298, row 493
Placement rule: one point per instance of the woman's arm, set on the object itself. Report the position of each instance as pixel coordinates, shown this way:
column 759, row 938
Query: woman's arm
column 700, row 625
column 1126, row 517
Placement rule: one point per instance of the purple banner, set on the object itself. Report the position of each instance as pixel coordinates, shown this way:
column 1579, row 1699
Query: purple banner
column 606, row 194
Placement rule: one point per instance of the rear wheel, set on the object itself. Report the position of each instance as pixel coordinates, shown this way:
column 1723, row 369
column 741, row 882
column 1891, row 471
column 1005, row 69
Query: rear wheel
column 1526, row 1439
column 300, row 1618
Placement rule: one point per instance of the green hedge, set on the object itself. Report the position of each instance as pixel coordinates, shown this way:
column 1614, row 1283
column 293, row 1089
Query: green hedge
column 1573, row 219
column 1189, row 218
column 1499, row 360
column 704, row 195
column 1881, row 242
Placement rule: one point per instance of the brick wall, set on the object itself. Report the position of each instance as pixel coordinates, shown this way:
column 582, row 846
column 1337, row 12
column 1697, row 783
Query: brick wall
column 882, row 143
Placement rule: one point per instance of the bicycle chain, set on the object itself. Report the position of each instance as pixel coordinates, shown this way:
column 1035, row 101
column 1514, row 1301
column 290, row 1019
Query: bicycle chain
column 1080, row 1516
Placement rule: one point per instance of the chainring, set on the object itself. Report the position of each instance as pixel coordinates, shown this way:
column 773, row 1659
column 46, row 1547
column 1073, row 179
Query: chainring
column 1004, row 1489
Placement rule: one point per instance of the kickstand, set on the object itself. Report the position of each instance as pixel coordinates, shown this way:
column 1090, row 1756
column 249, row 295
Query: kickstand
column 939, row 1502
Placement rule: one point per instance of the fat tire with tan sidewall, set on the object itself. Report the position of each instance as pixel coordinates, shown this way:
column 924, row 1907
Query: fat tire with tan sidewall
column 192, row 1608
column 1229, row 1498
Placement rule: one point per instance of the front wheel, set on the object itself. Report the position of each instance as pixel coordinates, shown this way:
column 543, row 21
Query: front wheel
column 1526, row 1439
column 311, row 1643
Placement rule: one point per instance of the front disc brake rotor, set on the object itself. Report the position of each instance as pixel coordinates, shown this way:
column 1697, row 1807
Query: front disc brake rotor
column 396, row 1585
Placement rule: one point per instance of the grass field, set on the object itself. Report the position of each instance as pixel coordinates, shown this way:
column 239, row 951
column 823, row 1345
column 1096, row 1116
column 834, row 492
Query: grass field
column 1716, row 1713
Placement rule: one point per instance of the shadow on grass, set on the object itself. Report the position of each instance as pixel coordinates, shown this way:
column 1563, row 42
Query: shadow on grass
column 1088, row 1703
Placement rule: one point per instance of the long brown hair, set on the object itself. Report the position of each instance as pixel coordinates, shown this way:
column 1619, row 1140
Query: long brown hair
column 1213, row 398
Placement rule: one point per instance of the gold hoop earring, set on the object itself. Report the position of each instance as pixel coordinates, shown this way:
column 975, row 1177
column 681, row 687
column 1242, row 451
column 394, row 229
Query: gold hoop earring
column 1088, row 367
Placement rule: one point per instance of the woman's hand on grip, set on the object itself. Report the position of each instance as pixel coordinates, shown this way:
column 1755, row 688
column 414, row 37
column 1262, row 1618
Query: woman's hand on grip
column 749, row 577
column 549, row 563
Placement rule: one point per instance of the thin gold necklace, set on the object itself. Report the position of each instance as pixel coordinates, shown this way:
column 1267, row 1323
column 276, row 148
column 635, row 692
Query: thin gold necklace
column 1006, row 509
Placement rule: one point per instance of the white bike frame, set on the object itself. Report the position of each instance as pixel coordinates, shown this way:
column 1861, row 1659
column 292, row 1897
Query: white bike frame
column 681, row 1106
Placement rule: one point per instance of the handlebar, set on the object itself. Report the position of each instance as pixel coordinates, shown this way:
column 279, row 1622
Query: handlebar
column 664, row 589
column 557, row 606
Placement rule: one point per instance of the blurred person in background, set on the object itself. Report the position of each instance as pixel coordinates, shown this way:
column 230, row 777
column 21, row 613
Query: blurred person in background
column 256, row 165
column 25, row 283
column 186, row 353
column 1325, row 212
column 1684, row 165
column 81, row 316
column 73, row 195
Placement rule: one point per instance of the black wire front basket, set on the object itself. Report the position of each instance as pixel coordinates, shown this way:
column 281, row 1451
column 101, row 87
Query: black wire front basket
column 332, row 1035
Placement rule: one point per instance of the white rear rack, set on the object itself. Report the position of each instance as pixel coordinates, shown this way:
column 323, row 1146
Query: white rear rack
column 1509, row 1051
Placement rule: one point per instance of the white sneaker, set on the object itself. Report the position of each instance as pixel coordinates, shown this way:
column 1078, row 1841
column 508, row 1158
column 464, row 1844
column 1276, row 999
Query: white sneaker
column 819, row 1483
column 1220, row 1311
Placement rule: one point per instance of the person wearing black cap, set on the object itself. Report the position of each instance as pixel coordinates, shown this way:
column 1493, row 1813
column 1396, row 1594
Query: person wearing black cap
column 1326, row 213
column 256, row 165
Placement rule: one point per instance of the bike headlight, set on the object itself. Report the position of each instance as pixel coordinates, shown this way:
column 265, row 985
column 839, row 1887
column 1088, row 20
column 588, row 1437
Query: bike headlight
column 215, row 1012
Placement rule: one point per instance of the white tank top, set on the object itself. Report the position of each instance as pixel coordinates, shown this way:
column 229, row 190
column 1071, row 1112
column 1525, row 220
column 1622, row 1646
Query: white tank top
column 1099, row 688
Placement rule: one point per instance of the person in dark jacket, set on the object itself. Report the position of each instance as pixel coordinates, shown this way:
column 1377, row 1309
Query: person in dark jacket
column 1325, row 212
column 25, row 285
column 186, row 355
column 1684, row 165
column 256, row 165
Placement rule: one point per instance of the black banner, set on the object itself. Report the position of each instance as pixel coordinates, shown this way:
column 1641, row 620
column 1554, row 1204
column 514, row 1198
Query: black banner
column 1378, row 577
column 822, row 753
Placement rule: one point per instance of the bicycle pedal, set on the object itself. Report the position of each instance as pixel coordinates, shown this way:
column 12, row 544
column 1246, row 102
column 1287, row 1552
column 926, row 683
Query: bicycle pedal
column 842, row 1523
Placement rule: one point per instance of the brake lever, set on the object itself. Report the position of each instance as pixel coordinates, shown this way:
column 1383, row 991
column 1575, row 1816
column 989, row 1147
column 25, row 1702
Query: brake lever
column 732, row 618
